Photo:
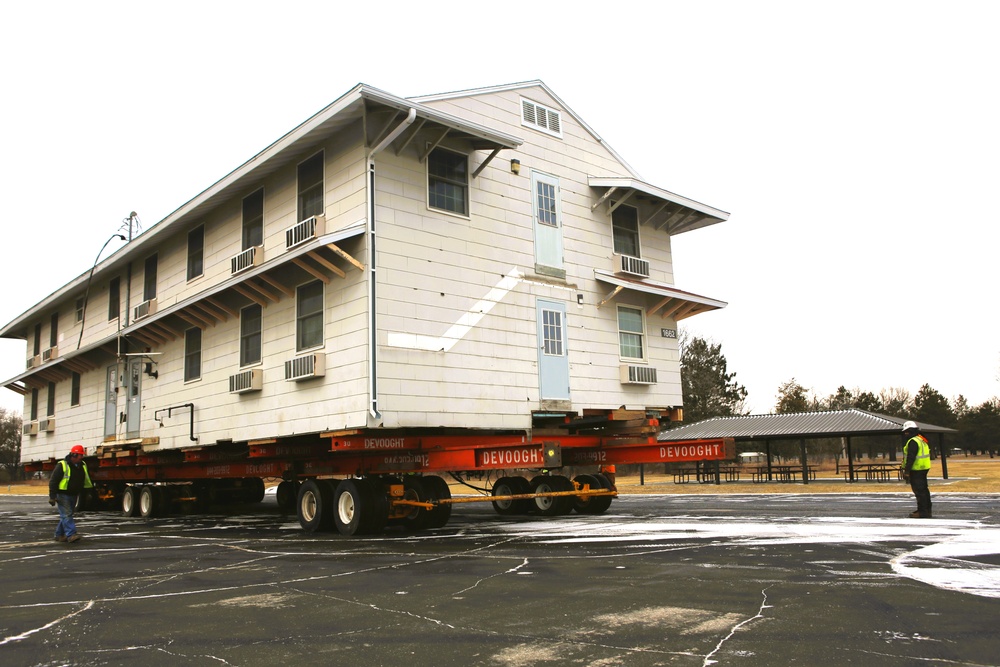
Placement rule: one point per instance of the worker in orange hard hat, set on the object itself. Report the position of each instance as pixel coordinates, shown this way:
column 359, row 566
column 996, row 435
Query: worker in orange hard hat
column 68, row 481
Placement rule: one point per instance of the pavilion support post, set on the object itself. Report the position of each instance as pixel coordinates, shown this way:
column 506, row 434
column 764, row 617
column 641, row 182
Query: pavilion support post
column 767, row 448
column 944, row 456
column 805, row 462
column 850, row 461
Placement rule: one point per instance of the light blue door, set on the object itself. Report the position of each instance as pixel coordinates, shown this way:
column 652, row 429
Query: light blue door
column 553, row 360
column 111, row 403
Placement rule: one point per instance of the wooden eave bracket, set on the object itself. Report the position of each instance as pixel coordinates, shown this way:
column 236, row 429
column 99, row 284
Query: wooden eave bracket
column 487, row 161
column 611, row 295
column 435, row 144
column 604, row 198
column 345, row 256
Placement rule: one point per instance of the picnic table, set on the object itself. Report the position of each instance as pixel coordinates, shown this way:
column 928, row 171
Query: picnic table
column 875, row 472
column 782, row 473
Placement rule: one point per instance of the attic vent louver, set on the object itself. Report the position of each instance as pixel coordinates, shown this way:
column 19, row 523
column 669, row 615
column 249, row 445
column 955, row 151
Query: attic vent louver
column 540, row 117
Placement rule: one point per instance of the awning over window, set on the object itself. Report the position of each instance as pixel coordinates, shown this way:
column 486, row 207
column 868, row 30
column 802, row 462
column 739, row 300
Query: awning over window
column 667, row 301
column 659, row 208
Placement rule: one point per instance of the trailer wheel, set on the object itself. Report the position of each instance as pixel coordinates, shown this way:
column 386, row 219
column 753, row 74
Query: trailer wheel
column 349, row 506
column 147, row 502
column 415, row 489
column 437, row 489
column 315, row 505
column 253, row 490
column 376, row 512
column 602, row 503
column 511, row 486
column 286, row 495
column 552, row 506
column 130, row 501
column 591, row 504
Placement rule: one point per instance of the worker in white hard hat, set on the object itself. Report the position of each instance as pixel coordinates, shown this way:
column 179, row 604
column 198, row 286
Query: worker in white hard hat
column 916, row 465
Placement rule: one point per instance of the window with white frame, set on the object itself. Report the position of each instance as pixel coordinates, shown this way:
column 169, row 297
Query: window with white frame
column 631, row 333
column 114, row 299
column 448, row 181
column 541, row 117
column 149, row 278
column 309, row 316
column 552, row 333
column 253, row 220
column 196, row 252
column 74, row 389
column 625, row 230
column 311, row 187
column 192, row 354
column 250, row 330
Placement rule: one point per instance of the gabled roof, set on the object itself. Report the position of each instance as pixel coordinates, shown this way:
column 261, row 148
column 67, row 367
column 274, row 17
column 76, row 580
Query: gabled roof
column 293, row 146
column 521, row 86
column 828, row 424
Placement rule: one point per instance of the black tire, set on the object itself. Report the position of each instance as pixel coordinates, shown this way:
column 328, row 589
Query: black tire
column 130, row 501
column 511, row 486
column 437, row 489
column 348, row 506
column 591, row 504
column 376, row 513
column 602, row 503
column 253, row 490
column 286, row 495
column 414, row 489
column 148, row 507
column 314, row 505
column 552, row 506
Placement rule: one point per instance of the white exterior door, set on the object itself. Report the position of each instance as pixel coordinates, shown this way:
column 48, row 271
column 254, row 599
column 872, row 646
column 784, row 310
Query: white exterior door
column 553, row 360
column 111, row 403
column 133, row 402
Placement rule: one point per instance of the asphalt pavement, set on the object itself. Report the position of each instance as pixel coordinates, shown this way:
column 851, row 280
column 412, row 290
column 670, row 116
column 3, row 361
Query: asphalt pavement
column 743, row 580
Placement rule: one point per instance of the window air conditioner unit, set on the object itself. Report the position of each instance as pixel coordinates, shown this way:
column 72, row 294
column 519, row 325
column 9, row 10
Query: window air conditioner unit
column 638, row 374
column 144, row 309
column 308, row 229
column 47, row 425
column 246, row 381
column 34, row 361
column 632, row 266
column 50, row 354
column 305, row 367
column 249, row 258
column 30, row 428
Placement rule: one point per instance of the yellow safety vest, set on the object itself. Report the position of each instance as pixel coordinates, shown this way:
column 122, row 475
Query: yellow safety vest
column 64, row 482
column 923, row 460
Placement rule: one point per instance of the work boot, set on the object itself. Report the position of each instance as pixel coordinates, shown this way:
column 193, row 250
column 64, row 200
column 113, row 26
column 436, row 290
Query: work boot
column 75, row 537
column 60, row 538
column 913, row 515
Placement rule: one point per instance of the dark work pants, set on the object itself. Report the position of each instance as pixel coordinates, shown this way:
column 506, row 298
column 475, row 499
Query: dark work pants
column 918, row 482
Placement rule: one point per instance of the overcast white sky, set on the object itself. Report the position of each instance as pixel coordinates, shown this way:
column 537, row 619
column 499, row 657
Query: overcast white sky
column 855, row 145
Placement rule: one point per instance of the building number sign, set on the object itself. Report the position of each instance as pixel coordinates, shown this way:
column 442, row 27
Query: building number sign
column 668, row 333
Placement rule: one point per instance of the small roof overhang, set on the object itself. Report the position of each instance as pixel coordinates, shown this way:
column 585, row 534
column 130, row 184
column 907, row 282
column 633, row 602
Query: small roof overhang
column 663, row 209
column 669, row 302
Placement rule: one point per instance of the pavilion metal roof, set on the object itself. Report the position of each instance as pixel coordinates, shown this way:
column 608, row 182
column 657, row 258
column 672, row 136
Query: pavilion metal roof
column 799, row 425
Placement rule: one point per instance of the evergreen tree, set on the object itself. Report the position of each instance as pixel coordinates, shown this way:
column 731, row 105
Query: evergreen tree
column 792, row 398
column 709, row 389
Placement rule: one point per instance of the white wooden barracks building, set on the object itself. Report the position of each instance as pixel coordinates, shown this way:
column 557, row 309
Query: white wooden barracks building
column 464, row 260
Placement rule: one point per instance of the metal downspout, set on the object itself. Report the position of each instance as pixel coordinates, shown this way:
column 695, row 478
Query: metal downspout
column 372, row 314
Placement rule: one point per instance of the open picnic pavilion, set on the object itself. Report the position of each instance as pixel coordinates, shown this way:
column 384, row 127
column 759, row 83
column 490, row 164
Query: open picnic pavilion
column 762, row 430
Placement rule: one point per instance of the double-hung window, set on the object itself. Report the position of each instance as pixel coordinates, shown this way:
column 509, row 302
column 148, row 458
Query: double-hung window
column 311, row 187
column 250, row 329
column 448, row 181
column 625, row 230
column 149, row 279
column 309, row 316
column 114, row 299
column 74, row 389
column 631, row 333
column 253, row 219
column 192, row 354
column 51, row 405
column 196, row 252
